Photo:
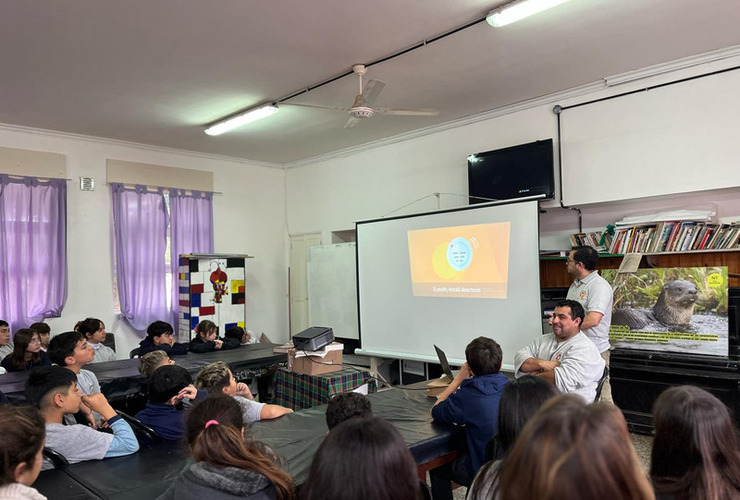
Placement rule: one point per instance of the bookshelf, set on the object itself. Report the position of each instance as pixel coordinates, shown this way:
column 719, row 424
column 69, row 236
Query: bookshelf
column 553, row 273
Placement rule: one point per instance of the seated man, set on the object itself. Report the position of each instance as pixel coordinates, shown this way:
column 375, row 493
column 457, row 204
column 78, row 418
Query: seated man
column 169, row 386
column 470, row 400
column 566, row 357
column 345, row 406
column 217, row 378
column 54, row 391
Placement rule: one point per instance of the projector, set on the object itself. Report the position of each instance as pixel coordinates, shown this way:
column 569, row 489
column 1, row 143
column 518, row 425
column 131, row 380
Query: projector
column 313, row 339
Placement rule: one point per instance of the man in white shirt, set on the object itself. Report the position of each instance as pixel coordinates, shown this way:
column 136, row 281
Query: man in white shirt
column 595, row 295
column 566, row 357
column 6, row 346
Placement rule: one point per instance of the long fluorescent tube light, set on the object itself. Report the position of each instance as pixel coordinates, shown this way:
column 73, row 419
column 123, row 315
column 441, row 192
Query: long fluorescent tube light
column 519, row 10
column 242, row 119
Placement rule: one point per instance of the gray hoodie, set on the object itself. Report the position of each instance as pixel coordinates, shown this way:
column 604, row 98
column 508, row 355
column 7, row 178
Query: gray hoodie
column 203, row 480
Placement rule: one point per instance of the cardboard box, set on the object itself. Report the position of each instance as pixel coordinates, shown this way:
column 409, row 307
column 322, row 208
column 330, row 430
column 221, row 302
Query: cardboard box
column 327, row 360
column 437, row 386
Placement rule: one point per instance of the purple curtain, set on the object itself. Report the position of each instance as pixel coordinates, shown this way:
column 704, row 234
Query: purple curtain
column 191, row 226
column 140, row 230
column 33, row 249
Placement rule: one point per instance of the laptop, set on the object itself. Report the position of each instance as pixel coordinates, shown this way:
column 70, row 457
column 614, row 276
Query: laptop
column 445, row 364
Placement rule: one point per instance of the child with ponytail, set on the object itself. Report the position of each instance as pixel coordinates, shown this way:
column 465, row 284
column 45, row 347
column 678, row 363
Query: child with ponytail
column 226, row 466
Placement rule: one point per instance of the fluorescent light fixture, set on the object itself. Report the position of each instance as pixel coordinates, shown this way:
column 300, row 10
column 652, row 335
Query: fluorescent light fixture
column 249, row 116
column 519, row 10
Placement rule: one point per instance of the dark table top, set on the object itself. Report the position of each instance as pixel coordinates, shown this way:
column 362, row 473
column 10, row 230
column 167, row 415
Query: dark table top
column 121, row 378
column 295, row 436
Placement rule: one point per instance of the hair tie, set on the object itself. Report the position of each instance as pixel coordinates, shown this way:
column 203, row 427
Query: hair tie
column 211, row 422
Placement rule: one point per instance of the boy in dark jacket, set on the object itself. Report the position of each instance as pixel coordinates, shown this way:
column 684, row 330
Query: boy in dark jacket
column 168, row 386
column 470, row 400
column 160, row 336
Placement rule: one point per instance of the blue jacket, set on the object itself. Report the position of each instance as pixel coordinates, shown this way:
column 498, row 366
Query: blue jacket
column 166, row 420
column 475, row 405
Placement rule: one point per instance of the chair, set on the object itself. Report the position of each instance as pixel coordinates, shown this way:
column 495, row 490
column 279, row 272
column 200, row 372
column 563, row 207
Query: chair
column 110, row 341
column 134, row 353
column 424, row 492
column 600, row 385
column 492, row 449
column 141, row 429
column 56, row 458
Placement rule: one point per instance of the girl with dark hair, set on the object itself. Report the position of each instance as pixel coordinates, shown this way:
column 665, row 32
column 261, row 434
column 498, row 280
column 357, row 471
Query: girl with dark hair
column 364, row 458
column 21, row 442
column 94, row 331
column 226, row 466
column 26, row 353
column 696, row 450
column 573, row 451
column 206, row 339
column 520, row 400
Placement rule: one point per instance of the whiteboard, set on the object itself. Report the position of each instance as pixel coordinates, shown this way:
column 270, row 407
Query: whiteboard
column 332, row 288
column 674, row 139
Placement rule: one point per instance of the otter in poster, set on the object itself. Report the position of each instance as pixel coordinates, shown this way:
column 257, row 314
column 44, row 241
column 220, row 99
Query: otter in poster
column 675, row 306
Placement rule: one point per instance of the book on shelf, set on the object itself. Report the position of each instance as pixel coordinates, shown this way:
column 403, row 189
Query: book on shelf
column 676, row 236
column 597, row 239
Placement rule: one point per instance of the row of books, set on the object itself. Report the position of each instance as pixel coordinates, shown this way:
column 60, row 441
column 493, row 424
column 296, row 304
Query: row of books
column 677, row 236
column 600, row 241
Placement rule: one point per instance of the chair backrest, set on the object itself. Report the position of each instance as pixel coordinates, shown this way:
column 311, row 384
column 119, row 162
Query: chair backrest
column 424, row 492
column 56, row 458
column 134, row 353
column 110, row 341
column 600, row 385
column 141, row 429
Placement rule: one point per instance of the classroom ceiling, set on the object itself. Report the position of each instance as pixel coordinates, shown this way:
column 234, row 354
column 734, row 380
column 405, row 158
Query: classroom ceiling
column 157, row 71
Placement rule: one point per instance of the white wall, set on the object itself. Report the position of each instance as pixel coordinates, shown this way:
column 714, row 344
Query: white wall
column 330, row 194
column 249, row 217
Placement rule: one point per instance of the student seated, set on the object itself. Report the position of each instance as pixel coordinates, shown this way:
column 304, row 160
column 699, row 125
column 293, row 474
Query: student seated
column 72, row 351
column 362, row 458
column 94, row 332
column 566, row 357
column 217, row 378
column 520, row 400
column 573, row 451
column 21, row 442
column 243, row 336
column 206, row 339
column 6, row 346
column 470, row 400
column 696, row 450
column 54, row 391
column 160, row 336
column 26, row 353
column 226, row 465
column 44, row 332
column 153, row 360
column 169, row 385
column 347, row 405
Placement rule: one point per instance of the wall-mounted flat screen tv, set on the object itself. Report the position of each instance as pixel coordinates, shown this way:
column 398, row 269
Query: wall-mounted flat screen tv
column 514, row 172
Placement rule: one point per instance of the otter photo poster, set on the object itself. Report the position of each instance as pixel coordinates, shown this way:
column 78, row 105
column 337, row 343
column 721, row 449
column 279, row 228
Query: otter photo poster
column 682, row 310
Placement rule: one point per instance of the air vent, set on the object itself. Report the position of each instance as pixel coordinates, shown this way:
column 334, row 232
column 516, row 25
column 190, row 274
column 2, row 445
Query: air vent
column 87, row 184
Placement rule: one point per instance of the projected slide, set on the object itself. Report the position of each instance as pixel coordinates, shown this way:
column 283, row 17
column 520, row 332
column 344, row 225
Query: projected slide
column 460, row 261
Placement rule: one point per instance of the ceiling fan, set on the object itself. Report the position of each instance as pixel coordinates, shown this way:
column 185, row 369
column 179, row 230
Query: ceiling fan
column 362, row 107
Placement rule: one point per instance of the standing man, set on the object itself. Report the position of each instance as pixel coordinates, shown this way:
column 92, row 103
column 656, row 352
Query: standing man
column 595, row 295
column 566, row 357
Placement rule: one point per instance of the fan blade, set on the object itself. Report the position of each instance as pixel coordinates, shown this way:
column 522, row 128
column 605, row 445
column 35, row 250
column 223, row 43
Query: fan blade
column 352, row 122
column 371, row 91
column 317, row 106
column 408, row 112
